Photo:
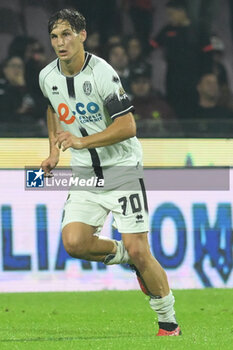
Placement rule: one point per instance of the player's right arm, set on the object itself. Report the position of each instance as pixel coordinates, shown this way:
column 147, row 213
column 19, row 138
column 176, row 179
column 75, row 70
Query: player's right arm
column 53, row 127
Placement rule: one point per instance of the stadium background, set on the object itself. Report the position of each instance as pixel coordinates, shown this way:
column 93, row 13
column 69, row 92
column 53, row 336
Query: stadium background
column 191, row 231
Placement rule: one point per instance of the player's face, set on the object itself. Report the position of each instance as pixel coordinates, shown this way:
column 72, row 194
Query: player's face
column 66, row 43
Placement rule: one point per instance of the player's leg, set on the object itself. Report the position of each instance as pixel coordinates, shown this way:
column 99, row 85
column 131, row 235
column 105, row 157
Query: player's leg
column 83, row 217
column 150, row 270
column 80, row 241
column 155, row 280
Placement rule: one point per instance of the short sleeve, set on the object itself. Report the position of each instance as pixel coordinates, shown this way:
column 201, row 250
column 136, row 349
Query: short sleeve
column 109, row 86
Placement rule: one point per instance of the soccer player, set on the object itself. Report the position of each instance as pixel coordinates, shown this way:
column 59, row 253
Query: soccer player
column 90, row 114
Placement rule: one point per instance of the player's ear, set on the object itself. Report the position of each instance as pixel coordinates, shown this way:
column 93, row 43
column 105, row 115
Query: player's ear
column 83, row 35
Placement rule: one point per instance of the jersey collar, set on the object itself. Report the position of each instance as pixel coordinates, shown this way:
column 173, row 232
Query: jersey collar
column 85, row 64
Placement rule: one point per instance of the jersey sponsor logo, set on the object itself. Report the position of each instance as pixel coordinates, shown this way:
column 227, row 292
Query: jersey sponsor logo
column 86, row 113
column 90, row 118
column 64, row 114
column 87, row 88
column 91, row 107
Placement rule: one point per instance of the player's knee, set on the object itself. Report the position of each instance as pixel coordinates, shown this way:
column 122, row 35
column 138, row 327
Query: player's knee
column 139, row 255
column 75, row 249
column 74, row 246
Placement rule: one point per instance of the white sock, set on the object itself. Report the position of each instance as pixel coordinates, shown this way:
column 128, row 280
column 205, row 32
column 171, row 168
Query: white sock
column 164, row 308
column 120, row 257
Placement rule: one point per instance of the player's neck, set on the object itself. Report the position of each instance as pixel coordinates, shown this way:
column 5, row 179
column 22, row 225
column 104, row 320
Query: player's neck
column 74, row 65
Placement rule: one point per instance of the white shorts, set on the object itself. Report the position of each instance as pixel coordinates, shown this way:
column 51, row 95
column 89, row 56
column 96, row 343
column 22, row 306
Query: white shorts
column 129, row 208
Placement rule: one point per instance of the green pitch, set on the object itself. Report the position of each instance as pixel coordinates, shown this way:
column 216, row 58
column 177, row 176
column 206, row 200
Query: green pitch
column 113, row 320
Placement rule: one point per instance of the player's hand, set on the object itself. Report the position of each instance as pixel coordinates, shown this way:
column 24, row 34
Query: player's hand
column 50, row 163
column 66, row 140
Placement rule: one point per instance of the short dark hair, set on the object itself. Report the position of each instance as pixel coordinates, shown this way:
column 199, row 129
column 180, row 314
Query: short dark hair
column 177, row 4
column 76, row 19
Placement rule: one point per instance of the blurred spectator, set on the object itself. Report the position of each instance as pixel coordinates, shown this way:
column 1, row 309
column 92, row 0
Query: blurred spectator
column 208, row 90
column 25, row 47
column 114, row 39
column 209, row 119
column 10, row 24
column 118, row 59
column 186, row 53
column 92, row 43
column 101, row 16
column 136, row 56
column 33, row 55
column 231, row 16
column 218, row 53
column 141, row 13
column 15, row 100
column 19, row 113
column 225, row 97
column 202, row 14
column 150, row 107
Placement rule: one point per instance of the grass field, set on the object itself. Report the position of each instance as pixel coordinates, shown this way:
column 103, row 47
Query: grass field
column 113, row 320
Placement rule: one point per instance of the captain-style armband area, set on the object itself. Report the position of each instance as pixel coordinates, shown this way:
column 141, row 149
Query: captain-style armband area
column 118, row 105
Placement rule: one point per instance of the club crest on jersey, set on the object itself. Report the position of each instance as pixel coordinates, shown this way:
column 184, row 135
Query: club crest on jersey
column 87, row 88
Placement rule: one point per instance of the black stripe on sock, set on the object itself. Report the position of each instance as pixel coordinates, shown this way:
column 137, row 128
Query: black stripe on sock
column 94, row 157
column 144, row 194
column 70, row 86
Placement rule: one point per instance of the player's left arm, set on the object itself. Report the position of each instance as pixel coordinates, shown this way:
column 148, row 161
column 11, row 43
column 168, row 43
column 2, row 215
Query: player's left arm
column 121, row 129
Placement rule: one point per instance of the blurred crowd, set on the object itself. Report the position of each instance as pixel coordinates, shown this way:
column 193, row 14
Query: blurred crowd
column 197, row 99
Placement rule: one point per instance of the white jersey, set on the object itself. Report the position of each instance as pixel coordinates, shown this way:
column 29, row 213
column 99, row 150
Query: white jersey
column 87, row 103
